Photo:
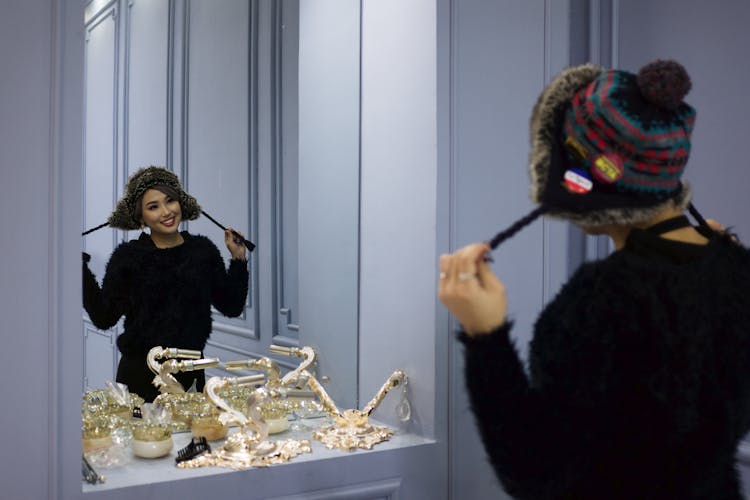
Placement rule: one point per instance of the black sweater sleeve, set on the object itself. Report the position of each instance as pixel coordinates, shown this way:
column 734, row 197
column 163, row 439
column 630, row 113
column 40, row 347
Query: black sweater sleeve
column 107, row 303
column 636, row 385
column 229, row 288
column 539, row 431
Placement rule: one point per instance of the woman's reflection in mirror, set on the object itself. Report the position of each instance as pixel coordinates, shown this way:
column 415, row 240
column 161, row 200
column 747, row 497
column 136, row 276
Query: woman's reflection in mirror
column 165, row 281
column 639, row 369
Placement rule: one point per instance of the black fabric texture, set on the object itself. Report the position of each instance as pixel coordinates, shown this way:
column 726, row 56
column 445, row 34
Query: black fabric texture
column 638, row 382
column 165, row 295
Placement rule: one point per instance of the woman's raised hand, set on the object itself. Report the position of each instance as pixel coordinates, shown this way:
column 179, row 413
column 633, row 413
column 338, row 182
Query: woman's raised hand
column 471, row 291
column 234, row 244
column 719, row 228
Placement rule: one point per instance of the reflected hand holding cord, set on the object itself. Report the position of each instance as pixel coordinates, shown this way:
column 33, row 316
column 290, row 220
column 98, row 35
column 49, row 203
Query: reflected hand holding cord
column 471, row 291
column 235, row 242
column 249, row 244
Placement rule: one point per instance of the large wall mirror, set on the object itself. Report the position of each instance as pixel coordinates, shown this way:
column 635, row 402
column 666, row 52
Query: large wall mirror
column 255, row 106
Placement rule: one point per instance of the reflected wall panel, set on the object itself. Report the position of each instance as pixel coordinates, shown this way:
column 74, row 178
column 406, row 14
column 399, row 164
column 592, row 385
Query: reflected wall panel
column 217, row 113
column 287, row 177
column 217, row 166
column 99, row 177
column 329, row 179
column 100, row 353
column 217, row 91
column 100, row 147
column 147, row 69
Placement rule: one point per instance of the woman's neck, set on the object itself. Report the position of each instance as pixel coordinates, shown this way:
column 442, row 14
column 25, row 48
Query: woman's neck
column 619, row 234
column 167, row 240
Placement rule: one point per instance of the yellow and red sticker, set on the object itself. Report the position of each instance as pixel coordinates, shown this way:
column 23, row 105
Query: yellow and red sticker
column 607, row 168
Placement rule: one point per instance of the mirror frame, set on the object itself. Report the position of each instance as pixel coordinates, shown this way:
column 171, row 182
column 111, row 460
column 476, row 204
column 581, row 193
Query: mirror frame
column 314, row 66
column 387, row 147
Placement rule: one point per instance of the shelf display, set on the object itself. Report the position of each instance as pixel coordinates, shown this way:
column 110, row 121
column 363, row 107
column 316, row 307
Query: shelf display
column 249, row 447
column 237, row 413
column 286, row 396
column 352, row 429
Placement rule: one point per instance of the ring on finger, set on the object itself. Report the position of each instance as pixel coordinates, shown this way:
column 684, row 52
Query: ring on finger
column 443, row 275
column 466, row 276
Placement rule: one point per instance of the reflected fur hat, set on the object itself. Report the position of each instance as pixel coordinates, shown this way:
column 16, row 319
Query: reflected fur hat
column 123, row 216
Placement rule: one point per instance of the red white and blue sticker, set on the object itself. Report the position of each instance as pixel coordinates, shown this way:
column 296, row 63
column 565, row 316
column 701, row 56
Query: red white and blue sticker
column 577, row 181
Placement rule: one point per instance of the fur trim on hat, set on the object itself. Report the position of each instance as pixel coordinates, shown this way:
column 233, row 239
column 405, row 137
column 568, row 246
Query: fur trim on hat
column 546, row 119
column 123, row 216
column 628, row 215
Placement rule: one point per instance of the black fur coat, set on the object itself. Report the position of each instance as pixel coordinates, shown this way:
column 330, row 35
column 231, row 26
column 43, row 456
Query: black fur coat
column 638, row 384
column 164, row 294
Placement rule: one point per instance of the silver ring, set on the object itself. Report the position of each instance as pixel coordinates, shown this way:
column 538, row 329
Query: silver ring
column 466, row 276
column 443, row 275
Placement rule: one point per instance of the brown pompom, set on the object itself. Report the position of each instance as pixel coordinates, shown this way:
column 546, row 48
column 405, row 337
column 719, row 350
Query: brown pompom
column 664, row 83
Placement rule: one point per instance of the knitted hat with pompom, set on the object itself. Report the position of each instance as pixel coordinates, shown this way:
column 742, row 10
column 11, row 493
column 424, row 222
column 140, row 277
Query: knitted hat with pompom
column 610, row 146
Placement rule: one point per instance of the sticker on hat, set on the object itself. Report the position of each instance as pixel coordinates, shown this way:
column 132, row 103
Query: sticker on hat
column 575, row 149
column 577, row 181
column 607, row 168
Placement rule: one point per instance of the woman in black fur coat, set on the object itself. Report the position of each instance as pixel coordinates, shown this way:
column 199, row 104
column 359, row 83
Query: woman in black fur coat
column 165, row 282
column 638, row 384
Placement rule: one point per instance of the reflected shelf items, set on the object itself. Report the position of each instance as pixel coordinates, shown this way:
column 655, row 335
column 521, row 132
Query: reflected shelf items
column 352, row 428
column 255, row 404
column 164, row 379
column 249, row 446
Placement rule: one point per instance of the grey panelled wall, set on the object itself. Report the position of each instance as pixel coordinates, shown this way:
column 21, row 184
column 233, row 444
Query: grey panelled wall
column 492, row 92
column 398, row 226
column 38, row 306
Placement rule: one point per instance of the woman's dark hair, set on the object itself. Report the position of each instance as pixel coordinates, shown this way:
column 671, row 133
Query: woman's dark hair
column 138, row 212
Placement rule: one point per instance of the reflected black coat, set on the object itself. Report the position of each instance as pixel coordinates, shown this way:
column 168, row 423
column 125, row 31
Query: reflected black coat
column 638, row 383
column 165, row 294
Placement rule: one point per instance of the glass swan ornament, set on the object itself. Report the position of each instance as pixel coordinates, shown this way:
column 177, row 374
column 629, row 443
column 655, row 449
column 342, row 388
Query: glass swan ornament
column 248, row 447
column 285, row 396
column 352, row 429
column 164, row 379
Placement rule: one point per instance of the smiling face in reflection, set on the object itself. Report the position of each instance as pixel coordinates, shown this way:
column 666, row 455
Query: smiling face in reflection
column 161, row 212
